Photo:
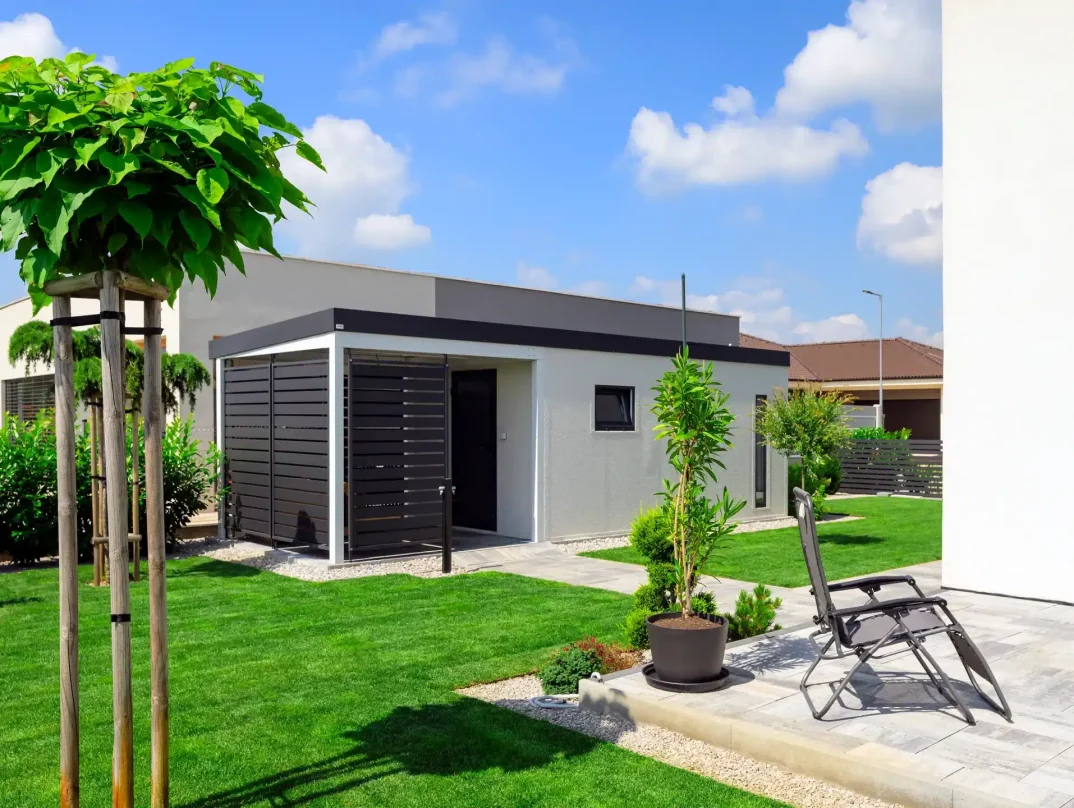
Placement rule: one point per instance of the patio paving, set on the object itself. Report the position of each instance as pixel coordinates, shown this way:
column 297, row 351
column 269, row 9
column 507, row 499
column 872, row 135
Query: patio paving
column 892, row 716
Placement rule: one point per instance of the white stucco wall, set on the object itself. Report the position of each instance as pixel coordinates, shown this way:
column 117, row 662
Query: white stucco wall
column 593, row 482
column 1008, row 286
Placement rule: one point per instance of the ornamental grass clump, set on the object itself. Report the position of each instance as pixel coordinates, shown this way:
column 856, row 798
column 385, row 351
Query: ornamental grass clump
column 694, row 421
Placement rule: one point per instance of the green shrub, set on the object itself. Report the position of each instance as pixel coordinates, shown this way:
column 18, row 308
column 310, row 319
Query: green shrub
column 561, row 675
column 650, row 535
column 662, row 576
column 651, row 598
column 613, row 656
column 879, row 433
column 755, row 613
column 818, row 487
column 28, row 503
column 703, row 603
column 636, row 634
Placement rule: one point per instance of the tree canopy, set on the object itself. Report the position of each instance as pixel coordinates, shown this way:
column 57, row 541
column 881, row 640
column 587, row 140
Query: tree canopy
column 809, row 422
column 162, row 175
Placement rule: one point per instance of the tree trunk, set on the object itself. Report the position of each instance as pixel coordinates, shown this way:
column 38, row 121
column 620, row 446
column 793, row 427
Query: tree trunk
column 68, row 547
column 154, row 528
column 115, row 454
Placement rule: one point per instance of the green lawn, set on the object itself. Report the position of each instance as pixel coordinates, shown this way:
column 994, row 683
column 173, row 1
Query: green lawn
column 285, row 693
column 893, row 533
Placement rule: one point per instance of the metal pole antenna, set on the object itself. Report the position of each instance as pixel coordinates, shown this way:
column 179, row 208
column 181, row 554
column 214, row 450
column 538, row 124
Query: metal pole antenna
column 880, row 374
column 684, row 312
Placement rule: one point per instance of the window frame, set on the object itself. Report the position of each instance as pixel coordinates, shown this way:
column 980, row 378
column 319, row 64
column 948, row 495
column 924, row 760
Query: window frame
column 761, row 457
column 617, row 426
column 25, row 398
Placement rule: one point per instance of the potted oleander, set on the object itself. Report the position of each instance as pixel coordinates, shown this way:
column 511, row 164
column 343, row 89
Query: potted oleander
column 695, row 423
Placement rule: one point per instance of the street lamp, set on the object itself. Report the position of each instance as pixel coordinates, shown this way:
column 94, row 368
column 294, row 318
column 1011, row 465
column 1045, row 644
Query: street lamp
column 880, row 297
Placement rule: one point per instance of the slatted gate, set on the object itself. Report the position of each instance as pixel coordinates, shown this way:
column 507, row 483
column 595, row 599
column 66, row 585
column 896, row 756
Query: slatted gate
column 276, row 445
column 398, row 454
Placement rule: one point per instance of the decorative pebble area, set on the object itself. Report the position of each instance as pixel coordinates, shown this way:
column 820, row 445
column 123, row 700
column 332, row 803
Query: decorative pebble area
column 675, row 749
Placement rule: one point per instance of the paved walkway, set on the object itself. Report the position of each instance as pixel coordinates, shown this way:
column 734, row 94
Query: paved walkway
column 555, row 563
column 892, row 716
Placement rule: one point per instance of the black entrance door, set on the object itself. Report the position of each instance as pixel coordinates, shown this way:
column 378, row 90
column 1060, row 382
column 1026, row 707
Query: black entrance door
column 473, row 448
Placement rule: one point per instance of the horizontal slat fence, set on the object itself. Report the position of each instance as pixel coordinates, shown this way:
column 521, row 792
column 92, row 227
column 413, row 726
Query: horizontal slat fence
column 913, row 467
column 276, row 444
column 397, row 439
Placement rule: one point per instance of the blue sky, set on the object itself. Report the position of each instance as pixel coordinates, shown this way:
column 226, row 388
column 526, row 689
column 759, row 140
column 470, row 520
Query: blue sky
column 601, row 147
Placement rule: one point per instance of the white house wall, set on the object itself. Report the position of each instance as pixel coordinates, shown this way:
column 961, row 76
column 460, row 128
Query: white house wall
column 1008, row 251
column 593, row 483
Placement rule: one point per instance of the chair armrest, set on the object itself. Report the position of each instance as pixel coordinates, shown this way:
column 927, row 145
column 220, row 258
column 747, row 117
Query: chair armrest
column 871, row 584
column 894, row 605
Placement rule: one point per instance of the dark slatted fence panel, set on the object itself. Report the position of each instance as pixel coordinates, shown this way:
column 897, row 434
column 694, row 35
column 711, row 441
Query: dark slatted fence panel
column 247, row 445
column 397, row 436
column 893, row 466
column 276, row 443
column 300, row 451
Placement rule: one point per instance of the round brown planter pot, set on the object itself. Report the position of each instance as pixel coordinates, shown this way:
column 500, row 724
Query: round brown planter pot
column 684, row 655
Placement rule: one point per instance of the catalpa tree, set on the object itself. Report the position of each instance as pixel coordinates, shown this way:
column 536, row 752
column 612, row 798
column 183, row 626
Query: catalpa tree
column 162, row 175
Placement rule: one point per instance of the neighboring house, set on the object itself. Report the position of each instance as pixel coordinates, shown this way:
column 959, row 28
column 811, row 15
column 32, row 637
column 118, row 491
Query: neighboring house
column 1008, row 246
column 566, row 379
column 913, row 377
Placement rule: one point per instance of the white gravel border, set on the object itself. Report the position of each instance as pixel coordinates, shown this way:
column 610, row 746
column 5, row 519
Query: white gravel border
column 675, row 749
column 294, row 566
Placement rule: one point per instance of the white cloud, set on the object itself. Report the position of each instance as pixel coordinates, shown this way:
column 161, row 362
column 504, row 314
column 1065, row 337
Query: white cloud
column 921, row 333
column 887, row 55
column 902, row 214
column 500, row 67
column 383, row 231
column 735, row 101
column 535, row 277
column 365, row 175
column 833, row 329
column 33, row 35
column 408, row 81
column 434, row 28
column 761, row 307
column 741, row 148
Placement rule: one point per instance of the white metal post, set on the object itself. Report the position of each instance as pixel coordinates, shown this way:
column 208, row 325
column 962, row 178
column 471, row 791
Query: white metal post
column 336, row 450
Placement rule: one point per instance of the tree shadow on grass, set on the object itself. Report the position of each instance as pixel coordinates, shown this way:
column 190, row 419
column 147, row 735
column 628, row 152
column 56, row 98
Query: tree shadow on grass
column 19, row 601
column 434, row 739
column 209, row 568
column 848, row 539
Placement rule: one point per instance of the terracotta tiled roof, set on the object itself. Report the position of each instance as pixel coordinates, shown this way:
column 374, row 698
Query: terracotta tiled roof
column 857, row 360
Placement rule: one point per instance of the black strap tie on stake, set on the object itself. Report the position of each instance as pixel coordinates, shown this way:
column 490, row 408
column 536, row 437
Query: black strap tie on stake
column 155, row 331
column 88, row 319
column 121, row 618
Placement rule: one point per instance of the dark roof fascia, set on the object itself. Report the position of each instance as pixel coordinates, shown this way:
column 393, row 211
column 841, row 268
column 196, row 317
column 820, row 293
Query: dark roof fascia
column 413, row 325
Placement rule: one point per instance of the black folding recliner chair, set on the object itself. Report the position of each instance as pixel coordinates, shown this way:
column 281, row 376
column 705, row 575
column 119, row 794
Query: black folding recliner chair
column 879, row 624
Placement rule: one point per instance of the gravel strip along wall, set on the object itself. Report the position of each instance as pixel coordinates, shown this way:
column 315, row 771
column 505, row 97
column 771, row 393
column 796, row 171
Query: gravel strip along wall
column 675, row 749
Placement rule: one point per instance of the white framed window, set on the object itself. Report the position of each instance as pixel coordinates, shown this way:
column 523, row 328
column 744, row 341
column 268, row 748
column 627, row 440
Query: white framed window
column 24, row 398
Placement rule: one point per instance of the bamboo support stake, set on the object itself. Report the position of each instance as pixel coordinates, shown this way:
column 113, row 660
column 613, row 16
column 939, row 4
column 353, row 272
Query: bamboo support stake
column 136, row 491
column 114, row 399
column 102, row 491
column 68, row 547
column 154, row 531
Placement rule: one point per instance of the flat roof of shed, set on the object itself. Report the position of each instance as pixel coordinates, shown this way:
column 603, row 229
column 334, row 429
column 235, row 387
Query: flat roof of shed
column 410, row 325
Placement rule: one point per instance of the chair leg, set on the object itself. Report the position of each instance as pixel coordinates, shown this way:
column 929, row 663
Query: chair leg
column 948, row 690
column 863, row 657
column 1002, row 707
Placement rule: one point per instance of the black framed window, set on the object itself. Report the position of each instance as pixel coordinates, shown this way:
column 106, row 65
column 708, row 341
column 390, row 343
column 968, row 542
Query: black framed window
column 760, row 458
column 613, row 409
column 24, row 398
